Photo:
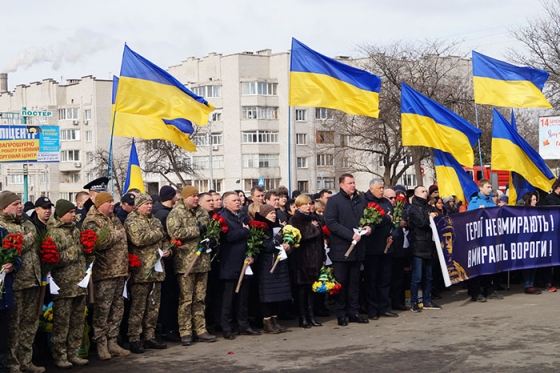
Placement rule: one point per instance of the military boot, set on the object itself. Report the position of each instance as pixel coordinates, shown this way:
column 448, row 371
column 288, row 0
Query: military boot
column 102, row 351
column 34, row 369
column 116, row 350
column 76, row 360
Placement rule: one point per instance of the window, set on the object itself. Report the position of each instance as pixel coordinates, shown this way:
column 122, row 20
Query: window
column 259, row 137
column 61, row 114
column 217, row 185
column 325, row 137
column 322, row 113
column 200, row 184
column 203, row 163
column 301, row 162
column 72, row 113
column 15, row 179
column 69, row 196
column 44, row 178
column 345, row 162
column 325, row 160
column 69, row 135
column 303, row 186
column 301, row 138
column 216, row 116
column 259, row 112
column 69, row 155
column 409, row 180
column 87, row 114
column 89, row 136
column 214, row 91
column 325, row 183
column 259, row 88
column 301, row 115
column 89, row 157
column 260, row 160
column 73, row 177
column 345, row 140
column 268, row 183
column 201, row 139
column 89, row 177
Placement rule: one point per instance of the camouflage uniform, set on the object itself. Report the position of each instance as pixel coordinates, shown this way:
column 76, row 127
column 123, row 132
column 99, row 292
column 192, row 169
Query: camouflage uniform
column 182, row 225
column 23, row 319
column 145, row 236
column 109, row 272
column 69, row 304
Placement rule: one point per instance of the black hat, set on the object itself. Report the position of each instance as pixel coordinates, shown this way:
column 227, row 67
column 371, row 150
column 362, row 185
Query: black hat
column 43, row 202
column 28, row 206
column 167, row 192
column 98, row 185
column 128, row 198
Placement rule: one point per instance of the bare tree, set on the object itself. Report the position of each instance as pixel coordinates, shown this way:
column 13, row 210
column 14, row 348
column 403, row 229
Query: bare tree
column 119, row 166
column 432, row 69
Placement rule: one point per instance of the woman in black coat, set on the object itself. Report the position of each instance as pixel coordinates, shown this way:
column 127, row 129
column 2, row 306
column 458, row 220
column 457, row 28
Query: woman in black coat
column 273, row 287
column 307, row 259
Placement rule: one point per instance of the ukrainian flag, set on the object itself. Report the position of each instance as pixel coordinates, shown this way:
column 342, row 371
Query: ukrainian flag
column 510, row 152
column 319, row 81
column 452, row 179
column 499, row 83
column 427, row 123
column 145, row 127
column 134, row 174
column 518, row 186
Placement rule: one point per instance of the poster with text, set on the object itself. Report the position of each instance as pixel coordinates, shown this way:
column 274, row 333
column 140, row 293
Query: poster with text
column 21, row 143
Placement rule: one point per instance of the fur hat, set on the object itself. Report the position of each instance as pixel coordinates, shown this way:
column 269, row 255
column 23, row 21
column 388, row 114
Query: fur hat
column 188, row 191
column 62, row 207
column 102, row 197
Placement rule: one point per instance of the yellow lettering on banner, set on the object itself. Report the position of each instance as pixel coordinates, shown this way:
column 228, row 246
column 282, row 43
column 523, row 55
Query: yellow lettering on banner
column 17, row 150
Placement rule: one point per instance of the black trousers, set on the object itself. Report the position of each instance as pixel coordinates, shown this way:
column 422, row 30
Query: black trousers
column 169, row 299
column 346, row 301
column 397, row 281
column 377, row 278
column 239, row 300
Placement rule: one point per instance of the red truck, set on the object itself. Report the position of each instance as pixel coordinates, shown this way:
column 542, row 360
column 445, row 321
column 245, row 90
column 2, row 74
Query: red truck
column 498, row 178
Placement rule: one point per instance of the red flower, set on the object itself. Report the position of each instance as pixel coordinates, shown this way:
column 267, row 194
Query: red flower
column 88, row 239
column 258, row 224
column 222, row 222
column 400, row 198
column 176, row 243
column 326, row 231
column 49, row 252
column 377, row 207
column 13, row 241
column 134, row 261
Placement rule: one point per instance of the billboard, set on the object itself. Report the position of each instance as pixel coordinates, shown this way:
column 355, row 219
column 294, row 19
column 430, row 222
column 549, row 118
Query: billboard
column 549, row 137
column 21, row 143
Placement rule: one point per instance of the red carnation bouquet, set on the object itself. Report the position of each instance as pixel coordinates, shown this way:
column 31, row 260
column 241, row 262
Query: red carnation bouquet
column 49, row 255
column 372, row 214
column 88, row 239
column 398, row 210
column 255, row 242
column 133, row 261
column 12, row 244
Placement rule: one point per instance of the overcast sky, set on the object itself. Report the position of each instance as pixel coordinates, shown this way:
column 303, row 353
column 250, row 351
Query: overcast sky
column 70, row 39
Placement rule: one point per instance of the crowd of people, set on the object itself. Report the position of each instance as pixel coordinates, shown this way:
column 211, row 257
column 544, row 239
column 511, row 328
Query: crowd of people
column 152, row 280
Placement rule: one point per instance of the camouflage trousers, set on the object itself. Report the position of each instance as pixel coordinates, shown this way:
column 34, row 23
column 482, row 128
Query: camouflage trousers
column 68, row 326
column 144, row 308
column 192, row 303
column 24, row 321
column 108, row 308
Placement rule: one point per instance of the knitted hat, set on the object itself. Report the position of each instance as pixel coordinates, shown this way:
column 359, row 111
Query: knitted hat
column 448, row 199
column 188, row 191
column 399, row 188
column 266, row 209
column 7, row 198
column 141, row 199
column 432, row 188
column 62, row 207
column 166, row 193
column 102, row 197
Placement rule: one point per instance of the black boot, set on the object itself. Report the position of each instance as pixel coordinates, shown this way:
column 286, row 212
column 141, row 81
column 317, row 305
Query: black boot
column 302, row 305
column 310, row 310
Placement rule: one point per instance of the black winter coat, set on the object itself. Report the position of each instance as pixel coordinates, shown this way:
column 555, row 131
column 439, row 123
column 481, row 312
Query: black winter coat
column 342, row 214
column 308, row 258
column 420, row 235
column 552, row 199
column 161, row 214
column 233, row 245
column 273, row 287
column 376, row 241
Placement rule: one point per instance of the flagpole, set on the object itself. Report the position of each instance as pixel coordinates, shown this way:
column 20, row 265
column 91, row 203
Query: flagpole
column 479, row 150
column 289, row 150
column 110, row 158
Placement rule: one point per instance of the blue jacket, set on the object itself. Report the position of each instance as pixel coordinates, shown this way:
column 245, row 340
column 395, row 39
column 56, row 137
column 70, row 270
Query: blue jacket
column 7, row 300
column 480, row 200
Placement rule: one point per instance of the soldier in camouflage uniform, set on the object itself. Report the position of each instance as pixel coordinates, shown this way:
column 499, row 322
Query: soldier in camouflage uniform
column 69, row 304
column 187, row 222
column 27, row 281
column 145, row 236
column 109, row 273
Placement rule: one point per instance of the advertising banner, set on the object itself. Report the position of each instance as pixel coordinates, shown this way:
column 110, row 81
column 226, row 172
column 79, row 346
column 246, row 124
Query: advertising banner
column 21, row 143
column 549, row 137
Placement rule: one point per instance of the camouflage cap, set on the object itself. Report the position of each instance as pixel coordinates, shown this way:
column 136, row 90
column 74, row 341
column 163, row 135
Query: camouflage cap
column 141, row 199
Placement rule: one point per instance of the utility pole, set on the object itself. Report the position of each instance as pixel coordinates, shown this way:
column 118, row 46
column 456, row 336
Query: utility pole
column 25, row 166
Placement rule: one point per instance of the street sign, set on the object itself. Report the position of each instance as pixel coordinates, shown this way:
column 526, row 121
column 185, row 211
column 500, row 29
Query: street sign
column 261, row 181
column 36, row 113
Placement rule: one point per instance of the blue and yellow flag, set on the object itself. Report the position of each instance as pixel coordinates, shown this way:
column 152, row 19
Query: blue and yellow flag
column 518, row 186
column 427, row 123
column 510, row 152
column 452, row 179
column 320, row 81
column 134, row 173
column 145, row 127
column 499, row 83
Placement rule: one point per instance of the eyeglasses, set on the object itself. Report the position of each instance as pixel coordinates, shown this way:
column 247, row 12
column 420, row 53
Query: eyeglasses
column 392, row 198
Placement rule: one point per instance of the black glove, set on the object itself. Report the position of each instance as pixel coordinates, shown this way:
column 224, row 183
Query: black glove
column 212, row 242
column 201, row 228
